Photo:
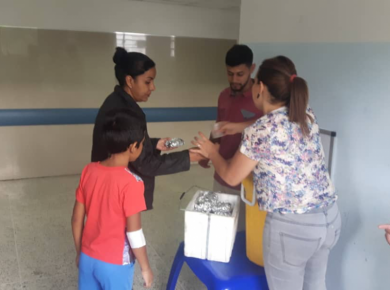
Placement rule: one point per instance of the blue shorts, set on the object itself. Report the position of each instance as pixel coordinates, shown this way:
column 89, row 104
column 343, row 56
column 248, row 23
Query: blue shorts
column 98, row 275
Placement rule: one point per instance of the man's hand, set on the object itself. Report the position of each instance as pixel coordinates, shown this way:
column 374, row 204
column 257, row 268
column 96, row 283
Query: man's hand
column 195, row 157
column 228, row 128
column 204, row 163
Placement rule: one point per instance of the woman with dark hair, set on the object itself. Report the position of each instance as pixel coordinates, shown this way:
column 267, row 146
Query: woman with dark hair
column 283, row 149
column 135, row 73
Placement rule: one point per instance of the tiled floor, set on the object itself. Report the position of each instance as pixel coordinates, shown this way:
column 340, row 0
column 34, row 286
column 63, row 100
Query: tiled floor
column 36, row 245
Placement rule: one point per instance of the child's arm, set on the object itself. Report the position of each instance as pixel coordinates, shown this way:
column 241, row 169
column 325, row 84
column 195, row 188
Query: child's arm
column 77, row 227
column 138, row 245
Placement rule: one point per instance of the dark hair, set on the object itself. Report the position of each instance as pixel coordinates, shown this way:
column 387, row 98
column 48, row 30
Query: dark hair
column 239, row 54
column 130, row 64
column 280, row 77
column 121, row 129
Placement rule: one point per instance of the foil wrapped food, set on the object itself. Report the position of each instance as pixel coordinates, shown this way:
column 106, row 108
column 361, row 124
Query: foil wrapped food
column 174, row 143
column 208, row 202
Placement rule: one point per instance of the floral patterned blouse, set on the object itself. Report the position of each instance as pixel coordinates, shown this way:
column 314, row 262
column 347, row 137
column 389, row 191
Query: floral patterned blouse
column 291, row 175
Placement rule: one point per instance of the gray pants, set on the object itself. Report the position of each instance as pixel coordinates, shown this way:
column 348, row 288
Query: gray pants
column 296, row 248
column 224, row 189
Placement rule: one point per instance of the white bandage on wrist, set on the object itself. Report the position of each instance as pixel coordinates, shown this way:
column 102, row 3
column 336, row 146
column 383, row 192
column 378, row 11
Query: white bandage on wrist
column 136, row 239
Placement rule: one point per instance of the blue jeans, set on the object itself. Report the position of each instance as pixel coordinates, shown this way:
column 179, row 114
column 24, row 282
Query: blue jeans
column 98, row 275
column 296, row 248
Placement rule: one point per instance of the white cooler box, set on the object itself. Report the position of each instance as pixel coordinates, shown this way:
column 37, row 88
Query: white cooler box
column 210, row 236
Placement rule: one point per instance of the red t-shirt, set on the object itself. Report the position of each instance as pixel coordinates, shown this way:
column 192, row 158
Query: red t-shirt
column 235, row 108
column 109, row 194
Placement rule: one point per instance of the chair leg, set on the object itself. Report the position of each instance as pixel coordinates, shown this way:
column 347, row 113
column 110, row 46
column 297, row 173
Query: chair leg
column 176, row 268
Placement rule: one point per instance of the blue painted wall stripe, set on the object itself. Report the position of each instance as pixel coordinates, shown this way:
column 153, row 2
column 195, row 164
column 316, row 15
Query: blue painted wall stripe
column 36, row 117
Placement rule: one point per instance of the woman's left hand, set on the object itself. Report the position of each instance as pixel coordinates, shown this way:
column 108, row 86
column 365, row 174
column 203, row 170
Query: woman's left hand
column 204, row 146
column 161, row 145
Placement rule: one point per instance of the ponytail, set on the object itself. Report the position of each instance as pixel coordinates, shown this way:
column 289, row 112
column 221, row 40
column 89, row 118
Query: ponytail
column 279, row 75
column 299, row 99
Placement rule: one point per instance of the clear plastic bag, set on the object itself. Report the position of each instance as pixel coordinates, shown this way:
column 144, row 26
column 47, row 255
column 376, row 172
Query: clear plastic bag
column 215, row 133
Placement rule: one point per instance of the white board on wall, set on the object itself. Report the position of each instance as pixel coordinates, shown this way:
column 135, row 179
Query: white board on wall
column 327, row 139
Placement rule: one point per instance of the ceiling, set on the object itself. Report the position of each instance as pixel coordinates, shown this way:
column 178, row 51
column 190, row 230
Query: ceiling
column 213, row 4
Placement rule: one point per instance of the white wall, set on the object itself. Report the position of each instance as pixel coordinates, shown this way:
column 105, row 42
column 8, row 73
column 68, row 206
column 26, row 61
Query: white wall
column 120, row 15
column 65, row 61
column 72, row 69
column 340, row 49
column 314, row 21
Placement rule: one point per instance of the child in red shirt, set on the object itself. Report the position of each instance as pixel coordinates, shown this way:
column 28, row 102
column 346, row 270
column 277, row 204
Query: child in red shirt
column 112, row 198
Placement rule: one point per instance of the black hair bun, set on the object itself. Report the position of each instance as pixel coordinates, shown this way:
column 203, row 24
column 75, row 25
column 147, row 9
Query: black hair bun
column 120, row 56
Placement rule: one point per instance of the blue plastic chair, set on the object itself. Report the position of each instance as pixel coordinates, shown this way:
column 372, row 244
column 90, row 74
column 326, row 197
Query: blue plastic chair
column 238, row 274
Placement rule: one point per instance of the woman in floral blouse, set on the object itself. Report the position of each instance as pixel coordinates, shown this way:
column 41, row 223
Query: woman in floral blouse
column 283, row 149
